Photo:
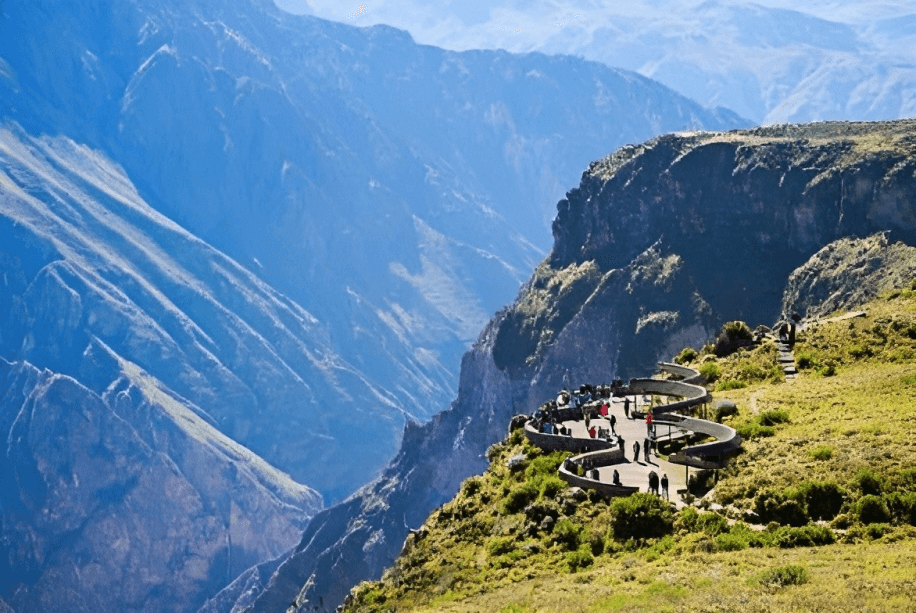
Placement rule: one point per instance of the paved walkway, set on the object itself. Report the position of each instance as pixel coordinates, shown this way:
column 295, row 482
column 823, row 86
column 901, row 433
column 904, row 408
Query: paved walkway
column 635, row 472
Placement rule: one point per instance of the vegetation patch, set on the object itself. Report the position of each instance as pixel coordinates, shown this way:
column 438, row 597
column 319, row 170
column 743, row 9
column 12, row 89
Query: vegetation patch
column 783, row 576
column 821, row 453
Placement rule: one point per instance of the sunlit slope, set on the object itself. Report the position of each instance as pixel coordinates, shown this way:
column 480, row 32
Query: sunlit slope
column 817, row 513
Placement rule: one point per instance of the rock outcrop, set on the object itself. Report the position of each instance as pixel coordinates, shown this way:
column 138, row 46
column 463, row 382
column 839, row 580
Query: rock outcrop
column 658, row 246
column 847, row 273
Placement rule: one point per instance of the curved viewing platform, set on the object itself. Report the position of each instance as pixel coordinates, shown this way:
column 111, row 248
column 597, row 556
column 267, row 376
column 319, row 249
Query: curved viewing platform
column 603, row 424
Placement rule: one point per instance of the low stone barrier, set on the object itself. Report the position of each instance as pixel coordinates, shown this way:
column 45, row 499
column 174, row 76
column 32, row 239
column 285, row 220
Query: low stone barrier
column 687, row 374
column 694, row 395
column 559, row 442
column 705, row 455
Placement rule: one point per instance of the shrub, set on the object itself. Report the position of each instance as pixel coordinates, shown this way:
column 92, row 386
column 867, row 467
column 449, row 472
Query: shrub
column 869, row 481
column 595, row 543
column 876, row 531
column 686, row 356
column 731, row 541
column 754, row 430
column 712, row 523
column 773, row 417
column 871, row 509
column 545, row 465
column 741, row 534
column 730, row 384
column 821, row 452
column 823, row 499
column 500, row 546
column 806, row 359
column 906, row 479
column 857, row 351
column 773, row 506
column 828, row 369
column 551, row 486
column 519, row 497
column 710, row 371
column 567, row 533
column 640, row 516
column 734, row 335
column 580, row 558
column 687, row 520
column 471, row 486
column 785, row 575
column 804, row 536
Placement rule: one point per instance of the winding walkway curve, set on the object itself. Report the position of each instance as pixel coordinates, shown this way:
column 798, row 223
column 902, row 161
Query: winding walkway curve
column 594, row 453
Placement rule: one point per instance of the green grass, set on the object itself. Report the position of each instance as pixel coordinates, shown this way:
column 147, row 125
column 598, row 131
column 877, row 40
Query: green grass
column 832, row 449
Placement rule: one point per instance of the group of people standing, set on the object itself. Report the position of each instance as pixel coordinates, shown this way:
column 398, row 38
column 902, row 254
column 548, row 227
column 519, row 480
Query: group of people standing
column 581, row 404
column 654, row 483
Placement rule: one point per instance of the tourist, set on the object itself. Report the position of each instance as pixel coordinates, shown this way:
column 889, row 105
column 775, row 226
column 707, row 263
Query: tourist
column 645, row 449
column 649, row 423
column 620, row 442
column 616, row 477
column 653, row 483
column 665, row 485
column 626, row 407
column 592, row 432
column 613, row 423
column 636, row 451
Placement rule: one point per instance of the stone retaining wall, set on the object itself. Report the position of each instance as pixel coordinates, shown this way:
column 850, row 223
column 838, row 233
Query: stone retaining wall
column 558, row 442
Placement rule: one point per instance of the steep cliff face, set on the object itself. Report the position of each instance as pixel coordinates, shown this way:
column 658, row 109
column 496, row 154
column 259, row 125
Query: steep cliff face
column 657, row 247
column 128, row 500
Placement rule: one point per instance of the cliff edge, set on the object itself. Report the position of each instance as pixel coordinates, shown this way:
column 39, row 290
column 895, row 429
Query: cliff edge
column 659, row 244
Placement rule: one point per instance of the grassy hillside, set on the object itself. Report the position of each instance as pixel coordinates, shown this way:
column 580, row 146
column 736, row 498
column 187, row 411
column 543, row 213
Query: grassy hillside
column 817, row 513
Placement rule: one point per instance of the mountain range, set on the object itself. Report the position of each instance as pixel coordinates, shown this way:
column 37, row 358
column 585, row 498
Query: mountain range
column 771, row 60
column 399, row 193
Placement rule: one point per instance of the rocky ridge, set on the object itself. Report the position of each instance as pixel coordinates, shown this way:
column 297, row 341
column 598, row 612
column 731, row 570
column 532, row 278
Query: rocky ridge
column 659, row 245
